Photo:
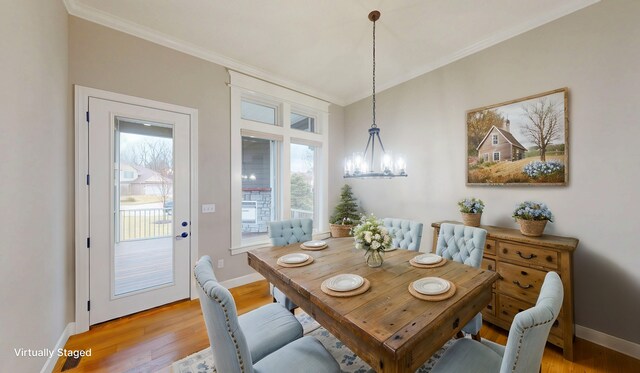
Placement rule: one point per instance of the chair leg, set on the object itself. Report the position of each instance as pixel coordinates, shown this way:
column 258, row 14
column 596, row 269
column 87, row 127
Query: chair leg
column 459, row 335
column 476, row 337
column 275, row 300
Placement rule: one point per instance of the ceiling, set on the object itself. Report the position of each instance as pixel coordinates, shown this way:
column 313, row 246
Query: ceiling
column 323, row 47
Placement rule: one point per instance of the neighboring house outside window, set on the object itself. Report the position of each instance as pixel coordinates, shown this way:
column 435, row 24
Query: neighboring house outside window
column 279, row 159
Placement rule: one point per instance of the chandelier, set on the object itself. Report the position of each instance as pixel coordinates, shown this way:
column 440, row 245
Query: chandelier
column 363, row 165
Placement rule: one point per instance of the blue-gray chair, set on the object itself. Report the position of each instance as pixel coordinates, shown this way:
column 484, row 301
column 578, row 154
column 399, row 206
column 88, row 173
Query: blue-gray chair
column 525, row 345
column 406, row 234
column 464, row 245
column 286, row 232
column 266, row 328
column 233, row 344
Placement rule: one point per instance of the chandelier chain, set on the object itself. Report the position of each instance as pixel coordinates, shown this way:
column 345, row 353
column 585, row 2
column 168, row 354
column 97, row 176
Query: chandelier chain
column 373, row 125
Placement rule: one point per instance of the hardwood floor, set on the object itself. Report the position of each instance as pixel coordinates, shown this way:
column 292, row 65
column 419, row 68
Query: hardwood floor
column 150, row 341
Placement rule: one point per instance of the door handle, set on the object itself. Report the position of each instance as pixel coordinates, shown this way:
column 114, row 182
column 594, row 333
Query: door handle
column 181, row 236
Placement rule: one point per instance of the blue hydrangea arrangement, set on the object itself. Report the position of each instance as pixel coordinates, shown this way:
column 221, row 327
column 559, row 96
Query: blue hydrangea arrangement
column 538, row 168
column 471, row 206
column 531, row 210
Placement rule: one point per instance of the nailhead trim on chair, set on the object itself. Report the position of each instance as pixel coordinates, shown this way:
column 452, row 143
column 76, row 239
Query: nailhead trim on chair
column 520, row 341
column 233, row 337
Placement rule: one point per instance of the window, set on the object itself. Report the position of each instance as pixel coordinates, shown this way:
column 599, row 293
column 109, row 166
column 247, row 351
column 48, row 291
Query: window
column 279, row 170
column 496, row 156
column 494, row 139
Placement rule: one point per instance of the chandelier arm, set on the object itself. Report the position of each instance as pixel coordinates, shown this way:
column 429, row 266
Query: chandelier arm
column 366, row 149
column 380, row 141
column 372, row 136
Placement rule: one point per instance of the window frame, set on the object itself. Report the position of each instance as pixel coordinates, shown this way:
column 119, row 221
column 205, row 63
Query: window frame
column 494, row 157
column 494, row 139
column 246, row 88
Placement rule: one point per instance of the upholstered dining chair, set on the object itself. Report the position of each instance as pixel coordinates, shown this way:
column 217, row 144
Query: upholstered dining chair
column 266, row 328
column 464, row 245
column 286, row 232
column 232, row 341
column 525, row 344
column 407, row 234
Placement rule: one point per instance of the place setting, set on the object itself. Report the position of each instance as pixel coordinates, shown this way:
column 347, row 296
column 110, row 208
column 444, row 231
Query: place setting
column 428, row 261
column 295, row 260
column 345, row 285
column 314, row 245
column 432, row 289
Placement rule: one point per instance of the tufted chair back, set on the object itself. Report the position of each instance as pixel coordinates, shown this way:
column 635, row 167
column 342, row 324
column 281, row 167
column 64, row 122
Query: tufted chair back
column 530, row 329
column 407, row 234
column 229, row 346
column 286, row 232
column 461, row 243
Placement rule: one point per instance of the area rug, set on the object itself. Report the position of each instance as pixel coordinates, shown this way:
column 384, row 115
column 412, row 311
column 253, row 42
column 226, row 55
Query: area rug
column 202, row 362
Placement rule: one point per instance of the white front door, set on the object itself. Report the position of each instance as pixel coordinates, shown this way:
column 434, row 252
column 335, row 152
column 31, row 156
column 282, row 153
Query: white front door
column 139, row 198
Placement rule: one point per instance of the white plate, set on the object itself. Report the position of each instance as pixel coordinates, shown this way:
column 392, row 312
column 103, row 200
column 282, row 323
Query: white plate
column 427, row 259
column 294, row 258
column 431, row 286
column 315, row 243
column 345, row 282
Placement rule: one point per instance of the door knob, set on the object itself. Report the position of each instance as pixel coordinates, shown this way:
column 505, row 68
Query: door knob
column 181, row 236
column 184, row 223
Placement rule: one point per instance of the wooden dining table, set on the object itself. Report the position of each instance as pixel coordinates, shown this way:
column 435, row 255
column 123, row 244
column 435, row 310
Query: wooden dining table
column 386, row 326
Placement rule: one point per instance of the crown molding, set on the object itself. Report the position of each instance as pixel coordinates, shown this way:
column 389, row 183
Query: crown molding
column 108, row 20
column 568, row 8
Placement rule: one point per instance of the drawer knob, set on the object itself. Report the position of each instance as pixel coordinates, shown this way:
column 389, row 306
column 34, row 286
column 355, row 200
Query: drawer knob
column 488, row 246
column 523, row 273
column 489, row 307
column 549, row 258
column 522, row 286
column 531, row 256
column 490, row 267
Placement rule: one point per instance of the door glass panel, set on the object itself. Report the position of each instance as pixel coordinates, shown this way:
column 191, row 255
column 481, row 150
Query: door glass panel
column 303, row 122
column 302, row 181
column 258, row 187
column 143, row 253
column 258, row 112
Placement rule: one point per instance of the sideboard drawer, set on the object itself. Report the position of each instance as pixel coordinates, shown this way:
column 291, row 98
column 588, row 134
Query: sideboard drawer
column 520, row 282
column 490, row 247
column 488, row 264
column 490, row 309
column 528, row 255
column 509, row 307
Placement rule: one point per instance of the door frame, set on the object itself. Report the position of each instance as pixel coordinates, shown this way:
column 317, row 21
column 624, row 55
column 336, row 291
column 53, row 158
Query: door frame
column 81, row 103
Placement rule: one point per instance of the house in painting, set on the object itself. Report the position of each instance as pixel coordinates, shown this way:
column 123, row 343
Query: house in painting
column 500, row 145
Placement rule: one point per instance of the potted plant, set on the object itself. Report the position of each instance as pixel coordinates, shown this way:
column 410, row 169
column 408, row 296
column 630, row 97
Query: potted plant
column 371, row 235
column 345, row 214
column 471, row 209
column 532, row 217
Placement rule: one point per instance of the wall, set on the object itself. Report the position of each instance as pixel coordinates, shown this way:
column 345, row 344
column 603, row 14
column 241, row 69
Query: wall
column 106, row 59
column 36, row 148
column 594, row 52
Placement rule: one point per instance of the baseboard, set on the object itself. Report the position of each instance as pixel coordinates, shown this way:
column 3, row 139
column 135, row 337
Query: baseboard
column 64, row 337
column 614, row 343
column 243, row 280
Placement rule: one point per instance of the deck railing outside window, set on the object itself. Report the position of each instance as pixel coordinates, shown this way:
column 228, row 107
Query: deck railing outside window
column 140, row 224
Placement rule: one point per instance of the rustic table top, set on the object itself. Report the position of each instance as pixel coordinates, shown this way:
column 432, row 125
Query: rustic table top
column 386, row 326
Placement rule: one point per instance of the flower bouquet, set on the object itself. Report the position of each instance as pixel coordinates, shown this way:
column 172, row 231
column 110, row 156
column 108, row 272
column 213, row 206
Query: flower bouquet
column 532, row 217
column 371, row 235
column 471, row 209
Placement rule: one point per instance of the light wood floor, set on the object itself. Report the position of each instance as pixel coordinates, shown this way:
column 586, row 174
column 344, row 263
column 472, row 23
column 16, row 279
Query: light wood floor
column 150, row 341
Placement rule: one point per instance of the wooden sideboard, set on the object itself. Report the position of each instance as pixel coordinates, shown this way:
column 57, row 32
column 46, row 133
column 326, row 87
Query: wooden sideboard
column 522, row 263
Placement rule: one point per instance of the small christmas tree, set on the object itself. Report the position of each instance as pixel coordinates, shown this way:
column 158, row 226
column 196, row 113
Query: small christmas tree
column 346, row 211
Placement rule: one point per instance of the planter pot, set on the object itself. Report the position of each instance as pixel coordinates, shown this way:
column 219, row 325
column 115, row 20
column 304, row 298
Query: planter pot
column 472, row 220
column 339, row 230
column 532, row 228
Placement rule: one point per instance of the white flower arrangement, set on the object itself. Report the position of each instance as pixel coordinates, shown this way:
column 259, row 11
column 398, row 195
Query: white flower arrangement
column 371, row 234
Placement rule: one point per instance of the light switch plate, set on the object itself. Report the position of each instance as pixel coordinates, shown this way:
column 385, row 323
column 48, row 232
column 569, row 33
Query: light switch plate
column 209, row 207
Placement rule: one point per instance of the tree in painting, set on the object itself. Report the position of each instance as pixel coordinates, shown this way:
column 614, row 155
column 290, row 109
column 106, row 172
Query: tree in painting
column 543, row 125
column 478, row 124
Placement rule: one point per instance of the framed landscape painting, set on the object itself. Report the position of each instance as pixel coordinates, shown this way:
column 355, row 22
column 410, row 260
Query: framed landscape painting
column 520, row 142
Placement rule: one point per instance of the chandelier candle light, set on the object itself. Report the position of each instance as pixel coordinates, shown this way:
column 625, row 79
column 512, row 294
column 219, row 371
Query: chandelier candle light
column 358, row 165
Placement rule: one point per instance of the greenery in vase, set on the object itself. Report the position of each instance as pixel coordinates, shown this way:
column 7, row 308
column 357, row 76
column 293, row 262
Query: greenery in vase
column 346, row 211
column 531, row 210
column 471, row 205
column 371, row 234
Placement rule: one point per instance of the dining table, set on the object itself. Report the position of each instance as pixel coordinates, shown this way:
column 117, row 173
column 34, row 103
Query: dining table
column 388, row 327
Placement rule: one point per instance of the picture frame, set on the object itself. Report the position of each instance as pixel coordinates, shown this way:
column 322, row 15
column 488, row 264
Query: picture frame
column 522, row 142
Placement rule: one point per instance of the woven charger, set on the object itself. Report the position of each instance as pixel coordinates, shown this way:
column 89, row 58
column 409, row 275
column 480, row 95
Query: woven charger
column 343, row 294
column 293, row 265
column 433, row 298
column 435, row 265
column 303, row 247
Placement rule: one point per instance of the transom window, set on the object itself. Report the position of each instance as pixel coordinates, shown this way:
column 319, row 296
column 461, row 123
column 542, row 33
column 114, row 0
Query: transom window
column 279, row 160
